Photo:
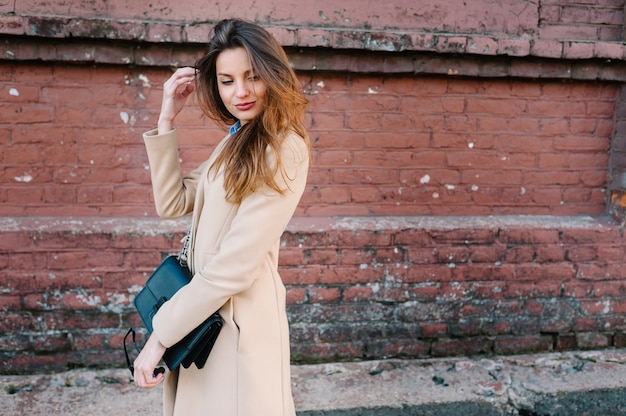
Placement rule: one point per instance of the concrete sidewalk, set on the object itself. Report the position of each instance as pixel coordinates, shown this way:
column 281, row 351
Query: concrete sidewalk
column 567, row 384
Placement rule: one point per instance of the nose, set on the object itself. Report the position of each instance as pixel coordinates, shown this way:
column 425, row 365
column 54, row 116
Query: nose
column 242, row 90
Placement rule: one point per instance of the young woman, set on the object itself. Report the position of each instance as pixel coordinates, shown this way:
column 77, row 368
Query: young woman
column 242, row 198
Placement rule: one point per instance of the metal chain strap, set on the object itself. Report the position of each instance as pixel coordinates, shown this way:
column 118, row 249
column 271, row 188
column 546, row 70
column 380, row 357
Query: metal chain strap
column 183, row 258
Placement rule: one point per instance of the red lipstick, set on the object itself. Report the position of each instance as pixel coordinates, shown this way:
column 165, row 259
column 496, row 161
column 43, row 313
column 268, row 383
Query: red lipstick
column 244, row 106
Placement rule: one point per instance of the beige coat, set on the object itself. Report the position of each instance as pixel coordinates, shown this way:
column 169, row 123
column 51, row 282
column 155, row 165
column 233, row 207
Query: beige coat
column 234, row 258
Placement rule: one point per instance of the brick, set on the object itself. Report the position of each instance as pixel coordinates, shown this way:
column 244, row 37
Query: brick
column 578, row 50
column 565, row 343
column 10, row 303
column 528, row 236
column 532, row 290
column 574, row 14
column 560, row 271
column 12, row 25
column 89, row 342
column 34, row 364
column 568, row 32
column 418, row 312
column 40, row 302
column 357, row 294
column 519, row 254
column 452, row 44
column 609, row 289
column 493, row 328
column 433, row 330
column 28, row 261
column 518, row 345
column 50, row 343
column 475, row 310
column 323, row 295
column 463, row 328
column 15, row 342
column 62, row 261
column 13, row 239
column 313, row 38
column 424, row 41
column 611, row 323
column 406, row 348
column 482, row 45
column 546, row 48
column 514, row 47
column 428, row 293
column 83, row 300
column 610, row 253
column 609, row 50
column 453, row 347
column 555, row 326
column 398, row 64
column 550, row 254
column 428, row 274
column 619, row 340
column 164, row 32
column 90, row 195
column 592, row 340
column 488, row 290
column 524, row 326
column 295, row 295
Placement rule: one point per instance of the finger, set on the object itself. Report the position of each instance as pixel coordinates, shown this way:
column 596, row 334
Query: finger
column 141, row 380
column 182, row 74
column 178, row 85
column 139, row 376
column 189, row 88
column 148, row 381
column 158, row 378
column 185, row 70
column 181, row 89
column 181, row 78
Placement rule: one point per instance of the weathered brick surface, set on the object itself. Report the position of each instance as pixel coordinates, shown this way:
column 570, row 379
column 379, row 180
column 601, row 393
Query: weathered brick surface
column 548, row 28
column 360, row 287
column 463, row 165
column 383, row 145
column 602, row 19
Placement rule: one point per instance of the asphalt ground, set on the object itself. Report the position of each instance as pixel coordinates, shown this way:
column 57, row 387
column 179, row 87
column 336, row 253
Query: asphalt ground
column 583, row 383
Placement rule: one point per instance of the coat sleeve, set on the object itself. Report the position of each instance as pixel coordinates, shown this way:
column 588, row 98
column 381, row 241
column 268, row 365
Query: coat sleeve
column 258, row 225
column 174, row 194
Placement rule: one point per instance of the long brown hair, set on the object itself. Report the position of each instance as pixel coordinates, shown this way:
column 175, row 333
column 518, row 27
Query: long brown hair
column 244, row 156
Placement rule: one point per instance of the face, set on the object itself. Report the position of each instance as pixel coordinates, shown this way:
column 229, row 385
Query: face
column 241, row 90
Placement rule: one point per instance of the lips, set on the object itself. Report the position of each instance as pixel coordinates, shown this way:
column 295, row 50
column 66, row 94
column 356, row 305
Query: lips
column 244, row 106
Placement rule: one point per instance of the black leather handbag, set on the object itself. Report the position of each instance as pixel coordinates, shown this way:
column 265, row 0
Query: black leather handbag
column 166, row 280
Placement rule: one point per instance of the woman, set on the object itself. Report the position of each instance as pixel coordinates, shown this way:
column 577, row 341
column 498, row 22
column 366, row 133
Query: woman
column 242, row 198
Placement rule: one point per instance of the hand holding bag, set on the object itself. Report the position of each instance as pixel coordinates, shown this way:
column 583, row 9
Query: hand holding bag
column 166, row 280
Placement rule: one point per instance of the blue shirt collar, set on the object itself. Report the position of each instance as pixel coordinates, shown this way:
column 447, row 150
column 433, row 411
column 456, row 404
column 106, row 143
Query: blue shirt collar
column 235, row 128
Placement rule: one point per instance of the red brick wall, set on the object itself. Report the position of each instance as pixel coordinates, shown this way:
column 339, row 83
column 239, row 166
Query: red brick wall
column 593, row 20
column 441, row 286
column 465, row 164
column 384, row 145
column 358, row 287
column 452, row 16
column 549, row 19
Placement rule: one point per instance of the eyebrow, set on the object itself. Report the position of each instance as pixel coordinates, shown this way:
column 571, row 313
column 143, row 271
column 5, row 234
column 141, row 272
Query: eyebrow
column 224, row 74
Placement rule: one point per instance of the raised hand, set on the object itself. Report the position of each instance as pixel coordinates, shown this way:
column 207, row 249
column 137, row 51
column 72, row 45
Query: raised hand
column 176, row 90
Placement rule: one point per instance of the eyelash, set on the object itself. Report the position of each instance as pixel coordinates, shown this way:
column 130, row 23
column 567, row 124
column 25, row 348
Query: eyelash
column 229, row 81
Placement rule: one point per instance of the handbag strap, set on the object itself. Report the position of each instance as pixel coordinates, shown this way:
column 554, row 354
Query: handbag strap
column 131, row 332
column 183, row 258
